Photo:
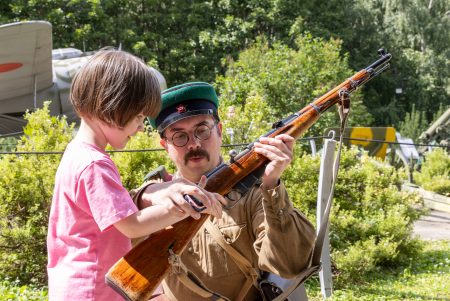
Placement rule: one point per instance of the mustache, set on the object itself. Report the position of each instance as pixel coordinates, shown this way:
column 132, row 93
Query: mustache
column 196, row 153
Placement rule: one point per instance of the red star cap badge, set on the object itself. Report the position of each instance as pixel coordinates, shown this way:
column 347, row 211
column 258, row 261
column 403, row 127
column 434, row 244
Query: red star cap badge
column 181, row 108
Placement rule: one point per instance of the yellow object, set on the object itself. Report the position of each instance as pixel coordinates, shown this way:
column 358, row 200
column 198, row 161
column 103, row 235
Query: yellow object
column 369, row 138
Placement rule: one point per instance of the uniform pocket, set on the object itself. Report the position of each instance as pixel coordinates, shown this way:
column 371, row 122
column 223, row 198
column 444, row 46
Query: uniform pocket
column 219, row 262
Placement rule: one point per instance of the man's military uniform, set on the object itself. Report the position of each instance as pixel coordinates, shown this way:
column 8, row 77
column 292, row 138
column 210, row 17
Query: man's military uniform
column 262, row 226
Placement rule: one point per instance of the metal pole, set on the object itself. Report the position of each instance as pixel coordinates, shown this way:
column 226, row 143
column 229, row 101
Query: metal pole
column 324, row 191
column 312, row 142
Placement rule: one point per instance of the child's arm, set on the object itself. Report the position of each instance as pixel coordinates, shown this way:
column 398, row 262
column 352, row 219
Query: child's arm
column 168, row 208
column 147, row 221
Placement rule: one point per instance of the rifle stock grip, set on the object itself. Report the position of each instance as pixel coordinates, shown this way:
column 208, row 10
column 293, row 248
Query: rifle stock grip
column 136, row 275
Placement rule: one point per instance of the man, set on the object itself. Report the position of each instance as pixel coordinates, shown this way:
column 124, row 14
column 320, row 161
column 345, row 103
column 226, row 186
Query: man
column 263, row 226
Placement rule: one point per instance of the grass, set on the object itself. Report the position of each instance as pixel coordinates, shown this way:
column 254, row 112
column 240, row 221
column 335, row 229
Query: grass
column 426, row 278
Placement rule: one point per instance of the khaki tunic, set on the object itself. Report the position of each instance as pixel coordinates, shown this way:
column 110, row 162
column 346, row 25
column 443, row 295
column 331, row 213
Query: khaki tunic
column 264, row 227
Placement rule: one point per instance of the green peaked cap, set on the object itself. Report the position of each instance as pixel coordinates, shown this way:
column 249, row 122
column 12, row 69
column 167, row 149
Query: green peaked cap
column 185, row 100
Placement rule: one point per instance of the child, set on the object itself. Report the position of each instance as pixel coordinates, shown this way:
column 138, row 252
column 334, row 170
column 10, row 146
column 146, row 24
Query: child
column 93, row 217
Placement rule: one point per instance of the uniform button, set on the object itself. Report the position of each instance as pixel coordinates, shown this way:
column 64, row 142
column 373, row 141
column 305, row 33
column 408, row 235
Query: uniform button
column 280, row 212
column 190, row 250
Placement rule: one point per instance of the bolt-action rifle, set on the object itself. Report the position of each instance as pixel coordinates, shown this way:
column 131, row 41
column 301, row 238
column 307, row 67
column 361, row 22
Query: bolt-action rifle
column 136, row 275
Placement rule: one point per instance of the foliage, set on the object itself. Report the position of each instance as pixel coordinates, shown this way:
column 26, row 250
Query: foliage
column 426, row 277
column 306, row 48
column 133, row 166
column 194, row 40
column 419, row 32
column 243, row 124
column 415, row 32
column 370, row 215
column 8, row 144
column 12, row 290
column 188, row 38
column 434, row 174
column 26, row 193
column 414, row 124
column 371, row 219
column 286, row 80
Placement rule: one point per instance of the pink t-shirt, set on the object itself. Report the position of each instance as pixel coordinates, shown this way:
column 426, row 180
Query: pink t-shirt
column 82, row 242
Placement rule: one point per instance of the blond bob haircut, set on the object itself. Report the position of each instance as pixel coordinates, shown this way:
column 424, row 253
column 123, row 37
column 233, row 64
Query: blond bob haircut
column 115, row 86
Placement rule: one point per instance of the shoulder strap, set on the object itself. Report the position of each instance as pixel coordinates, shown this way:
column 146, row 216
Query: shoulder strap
column 194, row 284
column 187, row 278
column 190, row 280
column 159, row 173
column 344, row 109
column 243, row 263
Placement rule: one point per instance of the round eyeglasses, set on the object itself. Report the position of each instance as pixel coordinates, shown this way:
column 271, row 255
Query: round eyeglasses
column 201, row 132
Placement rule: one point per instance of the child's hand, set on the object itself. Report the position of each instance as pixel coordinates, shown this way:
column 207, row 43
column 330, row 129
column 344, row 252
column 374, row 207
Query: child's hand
column 216, row 206
column 171, row 195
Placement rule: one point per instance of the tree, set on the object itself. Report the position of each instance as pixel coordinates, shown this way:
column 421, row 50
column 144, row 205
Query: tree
column 288, row 79
column 419, row 31
column 414, row 124
column 194, row 39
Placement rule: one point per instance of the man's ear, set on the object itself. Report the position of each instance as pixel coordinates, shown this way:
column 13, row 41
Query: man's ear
column 163, row 143
column 219, row 129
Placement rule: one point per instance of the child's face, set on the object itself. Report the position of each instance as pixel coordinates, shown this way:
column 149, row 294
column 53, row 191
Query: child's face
column 119, row 137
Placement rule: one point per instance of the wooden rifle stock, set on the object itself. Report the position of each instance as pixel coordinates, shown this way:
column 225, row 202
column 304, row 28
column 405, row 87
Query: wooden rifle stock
column 141, row 270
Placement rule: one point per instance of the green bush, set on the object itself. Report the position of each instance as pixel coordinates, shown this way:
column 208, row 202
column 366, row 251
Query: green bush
column 371, row 219
column 26, row 192
column 248, row 121
column 288, row 79
column 15, row 291
column 8, row 144
column 133, row 166
column 434, row 174
column 370, row 223
column 414, row 124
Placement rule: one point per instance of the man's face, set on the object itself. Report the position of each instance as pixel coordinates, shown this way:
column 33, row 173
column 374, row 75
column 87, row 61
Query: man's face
column 197, row 157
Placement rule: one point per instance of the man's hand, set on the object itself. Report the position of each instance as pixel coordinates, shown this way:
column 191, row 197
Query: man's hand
column 171, row 195
column 279, row 151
